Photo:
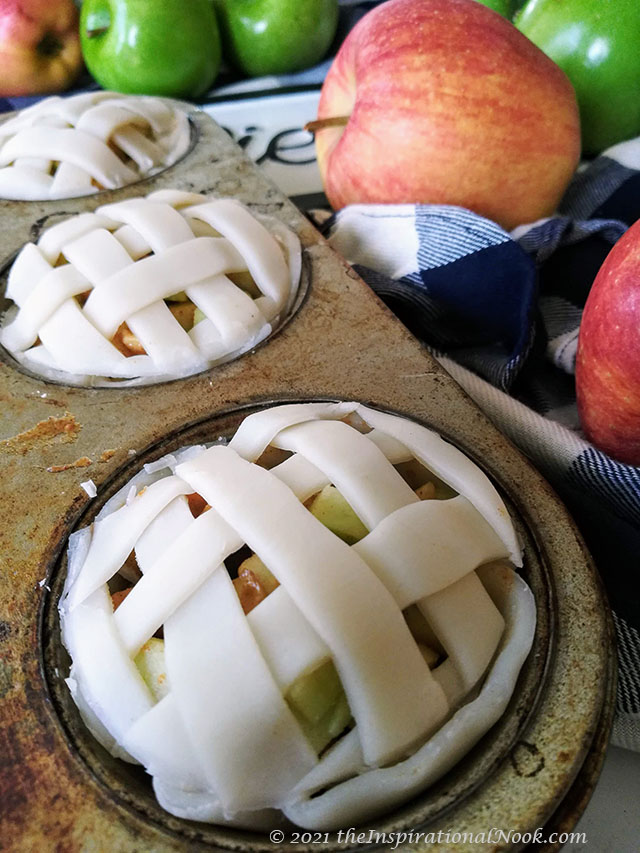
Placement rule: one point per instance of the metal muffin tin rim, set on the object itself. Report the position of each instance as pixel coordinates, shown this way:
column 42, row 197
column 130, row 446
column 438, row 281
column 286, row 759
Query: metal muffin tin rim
column 338, row 302
column 420, row 812
column 301, row 295
column 199, row 124
column 191, row 111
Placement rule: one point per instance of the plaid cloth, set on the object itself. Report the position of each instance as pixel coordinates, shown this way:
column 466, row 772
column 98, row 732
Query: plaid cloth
column 501, row 312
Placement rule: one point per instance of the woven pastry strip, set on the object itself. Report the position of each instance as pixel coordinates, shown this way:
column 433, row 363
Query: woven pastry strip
column 235, row 745
column 65, row 147
column 88, row 276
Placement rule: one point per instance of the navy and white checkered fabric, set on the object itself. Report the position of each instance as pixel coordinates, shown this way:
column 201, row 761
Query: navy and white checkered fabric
column 502, row 311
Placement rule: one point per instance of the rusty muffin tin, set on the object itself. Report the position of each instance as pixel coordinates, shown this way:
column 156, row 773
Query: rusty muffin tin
column 59, row 790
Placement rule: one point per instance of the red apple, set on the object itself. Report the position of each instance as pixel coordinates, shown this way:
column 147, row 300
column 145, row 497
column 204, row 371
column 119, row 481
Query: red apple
column 39, row 46
column 608, row 359
column 444, row 101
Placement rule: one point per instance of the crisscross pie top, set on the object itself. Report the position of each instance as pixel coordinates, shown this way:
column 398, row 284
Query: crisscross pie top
column 223, row 744
column 149, row 288
column 67, row 147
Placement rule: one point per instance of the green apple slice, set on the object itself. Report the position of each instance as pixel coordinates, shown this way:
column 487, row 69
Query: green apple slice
column 184, row 312
column 254, row 582
column 331, row 508
column 265, row 578
column 320, row 705
column 427, row 491
column 430, row 655
column 421, row 631
column 245, row 281
column 418, row 476
column 151, row 665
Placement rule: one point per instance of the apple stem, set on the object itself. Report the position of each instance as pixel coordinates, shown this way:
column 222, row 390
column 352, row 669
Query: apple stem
column 99, row 31
column 321, row 123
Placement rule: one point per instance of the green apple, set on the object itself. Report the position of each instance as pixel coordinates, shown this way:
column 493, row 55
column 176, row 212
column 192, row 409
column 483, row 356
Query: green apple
column 276, row 36
column 330, row 508
column 503, row 7
column 320, row 705
column 152, row 668
column 151, row 48
column 597, row 45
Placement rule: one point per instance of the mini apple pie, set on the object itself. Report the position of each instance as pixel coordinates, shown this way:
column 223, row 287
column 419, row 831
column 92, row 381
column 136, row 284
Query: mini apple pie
column 67, row 147
column 320, row 617
column 148, row 289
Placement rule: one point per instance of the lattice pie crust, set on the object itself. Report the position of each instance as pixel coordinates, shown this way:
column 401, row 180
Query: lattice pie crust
column 148, row 289
column 221, row 740
column 68, row 147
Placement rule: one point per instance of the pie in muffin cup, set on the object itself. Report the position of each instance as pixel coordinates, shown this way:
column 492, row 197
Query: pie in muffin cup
column 76, row 146
column 149, row 289
column 373, row 632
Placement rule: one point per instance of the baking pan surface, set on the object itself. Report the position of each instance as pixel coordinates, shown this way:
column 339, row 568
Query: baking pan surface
column 58, row 788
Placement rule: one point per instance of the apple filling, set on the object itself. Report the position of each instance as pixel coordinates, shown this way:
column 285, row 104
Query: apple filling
column 185, row 312
column 66, row 147
column 317, row 697
column 148, row 289
column 321, row 617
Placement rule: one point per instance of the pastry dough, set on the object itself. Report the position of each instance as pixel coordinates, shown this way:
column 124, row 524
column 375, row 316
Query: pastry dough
column 67, row 147
column 130, row 271
column 224, row 744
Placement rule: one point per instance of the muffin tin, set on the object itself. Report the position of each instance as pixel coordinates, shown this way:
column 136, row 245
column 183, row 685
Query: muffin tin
column 536, row 767
column 64, row 146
